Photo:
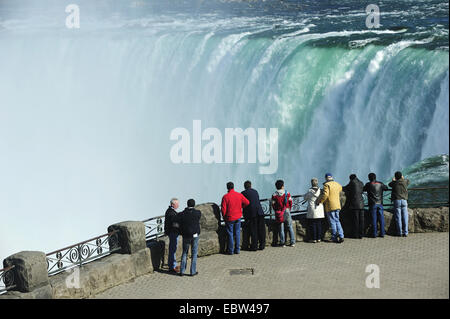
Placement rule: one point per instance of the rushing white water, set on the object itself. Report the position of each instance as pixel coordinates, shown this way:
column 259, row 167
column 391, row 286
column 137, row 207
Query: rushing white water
column 86, row 116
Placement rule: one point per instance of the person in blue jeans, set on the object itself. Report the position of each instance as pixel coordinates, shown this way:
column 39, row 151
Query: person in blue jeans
column 282, row 204
column 171, row 229
column 190, row 230
column 375, row 191
column 399, row 196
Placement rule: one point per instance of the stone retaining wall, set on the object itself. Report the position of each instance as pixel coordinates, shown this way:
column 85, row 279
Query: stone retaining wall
column 138, row 257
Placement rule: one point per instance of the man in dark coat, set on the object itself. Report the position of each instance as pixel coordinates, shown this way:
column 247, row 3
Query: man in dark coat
column 190, row 230
column 171, row 229
column 254, row 218
column 355, row 203
column 375, row 191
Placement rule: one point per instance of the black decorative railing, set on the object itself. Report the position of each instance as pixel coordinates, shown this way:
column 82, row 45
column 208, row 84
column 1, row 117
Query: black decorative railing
column 82, row 253
column 100, row 246
column 154, row 227
column 418, row 197
column 422, row 197
column 6, row 279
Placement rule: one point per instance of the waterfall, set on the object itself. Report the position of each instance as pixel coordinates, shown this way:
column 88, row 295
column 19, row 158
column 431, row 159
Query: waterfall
column 86, row 115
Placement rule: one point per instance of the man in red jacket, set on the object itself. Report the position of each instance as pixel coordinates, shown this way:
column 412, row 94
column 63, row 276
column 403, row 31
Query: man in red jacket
column 232, row 204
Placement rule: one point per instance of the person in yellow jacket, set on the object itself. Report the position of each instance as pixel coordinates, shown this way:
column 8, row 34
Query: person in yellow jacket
column 332, row 205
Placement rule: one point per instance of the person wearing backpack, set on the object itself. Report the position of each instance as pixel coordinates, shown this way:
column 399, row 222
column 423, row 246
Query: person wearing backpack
column 282, row 204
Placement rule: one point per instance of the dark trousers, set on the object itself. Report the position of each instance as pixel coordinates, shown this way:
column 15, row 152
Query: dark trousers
column 257, row 231
column 358, row 223
column 315, row 228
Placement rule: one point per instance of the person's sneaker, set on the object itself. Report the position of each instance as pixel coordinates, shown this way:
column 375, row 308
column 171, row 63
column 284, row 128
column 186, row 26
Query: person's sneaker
column 292, row 245
column 282, row 245
column 404, row 235
column 318, row 241
column 196, row 273
column 341, row 240
column 181, row 274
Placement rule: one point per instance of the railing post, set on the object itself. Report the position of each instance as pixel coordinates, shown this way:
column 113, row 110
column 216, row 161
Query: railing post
column 131, row 236
column 30, row 270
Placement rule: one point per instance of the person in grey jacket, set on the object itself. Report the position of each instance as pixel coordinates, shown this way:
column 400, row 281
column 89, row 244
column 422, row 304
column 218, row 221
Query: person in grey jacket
column 315, row 213
column 399, row 196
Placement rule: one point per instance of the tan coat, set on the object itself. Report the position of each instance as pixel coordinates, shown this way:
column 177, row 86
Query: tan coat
column 330, row 196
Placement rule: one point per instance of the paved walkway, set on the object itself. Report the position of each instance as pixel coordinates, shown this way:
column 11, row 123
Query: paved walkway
column 413, row 267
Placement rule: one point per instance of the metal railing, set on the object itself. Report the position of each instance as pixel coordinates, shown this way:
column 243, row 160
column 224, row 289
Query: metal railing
column 422, row 197
column 6, row 279
column 154, row 227
column 434, row 195
column 82, row 253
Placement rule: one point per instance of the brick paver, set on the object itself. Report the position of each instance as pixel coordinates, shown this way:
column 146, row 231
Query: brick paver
column 413, row 267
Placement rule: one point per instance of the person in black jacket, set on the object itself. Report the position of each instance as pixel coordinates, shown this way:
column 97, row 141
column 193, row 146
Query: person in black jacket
column 190, row 230
column 353, row 193
column 171, row 229
column 254, row 218
column 375, row 191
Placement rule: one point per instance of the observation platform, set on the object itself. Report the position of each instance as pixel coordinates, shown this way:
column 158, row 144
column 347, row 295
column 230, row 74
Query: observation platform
column 412, row 267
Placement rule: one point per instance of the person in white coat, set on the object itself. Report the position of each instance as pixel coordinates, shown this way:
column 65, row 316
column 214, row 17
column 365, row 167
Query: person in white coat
column 315, row 213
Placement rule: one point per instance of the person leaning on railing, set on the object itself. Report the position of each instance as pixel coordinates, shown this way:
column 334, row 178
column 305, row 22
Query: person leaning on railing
column 282, row 204
column 375, row 191
column 315, row 213
column 355, row 203
column 399, row 196
column 331, row 202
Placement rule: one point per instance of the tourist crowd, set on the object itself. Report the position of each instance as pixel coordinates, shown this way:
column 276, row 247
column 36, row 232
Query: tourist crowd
column 322, row 203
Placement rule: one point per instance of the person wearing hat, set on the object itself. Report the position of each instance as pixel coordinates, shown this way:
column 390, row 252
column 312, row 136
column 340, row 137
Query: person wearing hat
column 190, row 231
column 331, row 201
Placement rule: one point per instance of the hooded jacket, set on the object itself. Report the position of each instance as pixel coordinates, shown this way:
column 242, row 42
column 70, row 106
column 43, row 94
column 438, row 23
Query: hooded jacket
column 278, row 204
column 399, row 189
